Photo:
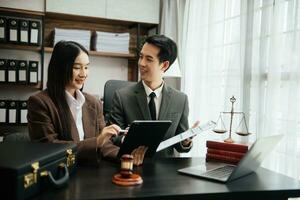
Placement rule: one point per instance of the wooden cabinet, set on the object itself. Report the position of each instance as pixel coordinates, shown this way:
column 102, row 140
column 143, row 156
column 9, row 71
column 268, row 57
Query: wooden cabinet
column 144, row 11
column 91, row 8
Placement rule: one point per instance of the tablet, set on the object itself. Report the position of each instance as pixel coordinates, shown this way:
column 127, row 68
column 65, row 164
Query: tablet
column 144, row 133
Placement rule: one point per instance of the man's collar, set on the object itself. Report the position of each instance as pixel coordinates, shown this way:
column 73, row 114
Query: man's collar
column 157, row 91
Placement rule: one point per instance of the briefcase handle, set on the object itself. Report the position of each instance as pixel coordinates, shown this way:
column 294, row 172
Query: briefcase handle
column 61, row 181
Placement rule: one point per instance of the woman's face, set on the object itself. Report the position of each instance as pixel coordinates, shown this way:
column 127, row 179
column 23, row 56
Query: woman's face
column 80, row 72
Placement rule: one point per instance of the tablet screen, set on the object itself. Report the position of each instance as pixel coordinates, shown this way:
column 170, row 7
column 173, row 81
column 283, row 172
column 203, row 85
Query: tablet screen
column 144, row 133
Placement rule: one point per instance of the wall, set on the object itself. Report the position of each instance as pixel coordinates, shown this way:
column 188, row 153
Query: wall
column 101, row 69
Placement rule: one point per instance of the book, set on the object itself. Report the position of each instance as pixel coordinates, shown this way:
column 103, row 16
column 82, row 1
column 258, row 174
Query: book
column 242, row 148
column 222, row 158
column 232, row 154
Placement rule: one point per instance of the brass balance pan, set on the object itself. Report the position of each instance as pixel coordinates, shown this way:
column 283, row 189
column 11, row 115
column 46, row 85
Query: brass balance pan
column 219, row 131
column 243, row 133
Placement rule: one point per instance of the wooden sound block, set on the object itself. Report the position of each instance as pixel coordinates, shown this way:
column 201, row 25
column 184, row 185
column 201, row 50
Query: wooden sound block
column 133, row 179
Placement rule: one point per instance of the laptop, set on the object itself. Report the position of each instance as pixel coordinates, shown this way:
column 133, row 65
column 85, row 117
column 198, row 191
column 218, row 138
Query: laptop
column 249, row 163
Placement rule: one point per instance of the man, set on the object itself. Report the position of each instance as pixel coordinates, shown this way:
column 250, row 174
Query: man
column 135, row 102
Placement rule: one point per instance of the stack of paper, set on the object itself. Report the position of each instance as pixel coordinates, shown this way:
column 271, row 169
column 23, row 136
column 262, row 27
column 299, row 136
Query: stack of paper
column 82, row 37
column 112, row 42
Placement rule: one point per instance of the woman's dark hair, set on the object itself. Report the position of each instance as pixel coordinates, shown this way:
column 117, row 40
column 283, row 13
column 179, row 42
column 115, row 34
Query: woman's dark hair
column 60, row 72
column 168, row 48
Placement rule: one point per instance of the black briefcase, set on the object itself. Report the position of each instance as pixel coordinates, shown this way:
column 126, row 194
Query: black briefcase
column 26, row 168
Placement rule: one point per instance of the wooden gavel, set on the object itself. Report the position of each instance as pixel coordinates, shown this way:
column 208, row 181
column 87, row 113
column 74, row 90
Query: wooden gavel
column 126, row 177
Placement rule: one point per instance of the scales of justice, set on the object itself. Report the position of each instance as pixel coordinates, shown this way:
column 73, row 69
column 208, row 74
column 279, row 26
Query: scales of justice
column 240, row 130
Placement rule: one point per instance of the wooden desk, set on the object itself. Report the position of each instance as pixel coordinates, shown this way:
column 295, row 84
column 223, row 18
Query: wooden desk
column 161, row 180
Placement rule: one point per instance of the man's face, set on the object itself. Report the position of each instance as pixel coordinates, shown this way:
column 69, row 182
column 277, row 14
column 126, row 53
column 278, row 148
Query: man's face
column 149, row 66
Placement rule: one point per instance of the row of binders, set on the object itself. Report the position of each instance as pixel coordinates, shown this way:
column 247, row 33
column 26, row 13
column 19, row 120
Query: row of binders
column 13, row 112
column 20, row 72
column 20, row 31
column 101, row 41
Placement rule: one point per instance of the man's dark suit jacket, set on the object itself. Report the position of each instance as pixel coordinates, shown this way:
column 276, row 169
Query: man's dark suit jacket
column 44, row 124
column 130, row 103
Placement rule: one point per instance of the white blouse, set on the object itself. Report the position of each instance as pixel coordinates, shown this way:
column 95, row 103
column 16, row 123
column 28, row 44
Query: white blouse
column 76, row 109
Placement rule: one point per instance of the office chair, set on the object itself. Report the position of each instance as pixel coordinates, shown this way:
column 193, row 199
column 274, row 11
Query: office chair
column 109, row 89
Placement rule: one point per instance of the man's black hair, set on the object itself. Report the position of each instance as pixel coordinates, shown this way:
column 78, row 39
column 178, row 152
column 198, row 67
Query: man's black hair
column 168, row 48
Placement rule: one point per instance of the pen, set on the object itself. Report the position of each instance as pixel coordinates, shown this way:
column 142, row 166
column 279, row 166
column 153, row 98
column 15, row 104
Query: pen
column 123, row 131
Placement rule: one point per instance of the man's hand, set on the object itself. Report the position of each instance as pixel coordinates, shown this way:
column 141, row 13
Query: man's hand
column 187, row 142
column 138, row 155
column 106, row 133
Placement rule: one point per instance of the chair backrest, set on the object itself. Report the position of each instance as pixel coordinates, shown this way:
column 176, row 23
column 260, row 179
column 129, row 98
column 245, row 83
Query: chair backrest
column 109, row 89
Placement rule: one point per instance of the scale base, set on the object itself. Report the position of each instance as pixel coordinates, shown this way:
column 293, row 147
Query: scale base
column 229, row 140
column 133, row 179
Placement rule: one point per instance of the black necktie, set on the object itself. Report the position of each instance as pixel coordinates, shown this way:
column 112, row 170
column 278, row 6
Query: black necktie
column 152, row 106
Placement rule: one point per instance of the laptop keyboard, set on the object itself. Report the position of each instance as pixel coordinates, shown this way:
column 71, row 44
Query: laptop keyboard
column 220, row 172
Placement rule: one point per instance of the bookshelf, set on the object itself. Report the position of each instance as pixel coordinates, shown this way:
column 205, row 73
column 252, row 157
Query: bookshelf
column 51, row 20
column 69, row 21
column 100, row 54
column 21, row 14
column 20, row 47
column 20, row 89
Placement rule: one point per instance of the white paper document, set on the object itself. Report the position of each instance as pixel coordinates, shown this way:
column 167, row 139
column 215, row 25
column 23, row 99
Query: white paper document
column 187, row 134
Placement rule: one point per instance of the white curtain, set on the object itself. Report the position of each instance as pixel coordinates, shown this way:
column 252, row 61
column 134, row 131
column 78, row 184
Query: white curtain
column 249, row 49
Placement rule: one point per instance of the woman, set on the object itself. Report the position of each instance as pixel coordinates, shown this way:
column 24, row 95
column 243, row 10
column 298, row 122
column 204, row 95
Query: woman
column 62, row 113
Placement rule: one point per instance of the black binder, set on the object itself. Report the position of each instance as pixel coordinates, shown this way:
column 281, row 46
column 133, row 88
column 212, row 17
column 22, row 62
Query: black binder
column 35, row 32
column 12, row 112
column 33, row 72
column 3, row 71
column 13, row 30
column 2, row 29
column 24, row 32
column 11, row 71
column 22, row 112
column 3, row 112
column 22, row 69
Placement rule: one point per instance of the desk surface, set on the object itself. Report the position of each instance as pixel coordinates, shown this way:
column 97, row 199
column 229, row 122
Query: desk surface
column 162, row 180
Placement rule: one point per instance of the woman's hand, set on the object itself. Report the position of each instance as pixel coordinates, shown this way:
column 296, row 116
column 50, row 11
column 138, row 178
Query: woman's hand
column 106, row 133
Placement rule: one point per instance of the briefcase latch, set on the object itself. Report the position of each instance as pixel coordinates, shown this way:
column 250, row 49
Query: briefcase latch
column 70, row 158
column 31, row 178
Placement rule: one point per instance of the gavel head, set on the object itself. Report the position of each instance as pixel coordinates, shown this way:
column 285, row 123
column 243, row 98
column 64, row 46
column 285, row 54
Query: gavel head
column 126, row 165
